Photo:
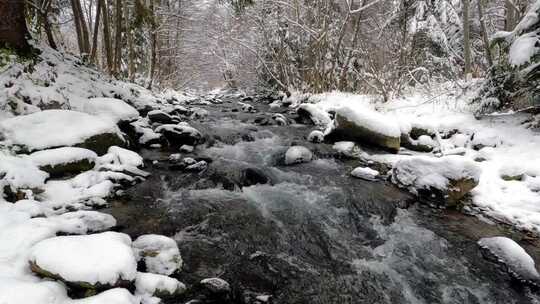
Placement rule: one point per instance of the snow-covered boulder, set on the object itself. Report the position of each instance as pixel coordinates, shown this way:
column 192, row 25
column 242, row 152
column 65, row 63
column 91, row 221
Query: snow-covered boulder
column 366, row 125
column 18, row 175
column 181, row 134
column 444, row 180
column 140, row 132
column 114, row 109
column 64, row 161
column 160, row 117
column 297, row 155
column 506, row 251
column 310, row 113
column 94, row 261
column 112, row 296
column 157, row 285
column 58, row 128
column 316, row 136
column 216, row 285
column 160, row 253
column 85, row 221
column 365, row 173
column 125, row 157
column 280, row 119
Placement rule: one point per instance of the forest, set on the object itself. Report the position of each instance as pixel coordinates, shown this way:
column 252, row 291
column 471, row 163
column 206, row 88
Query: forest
column 269, row 151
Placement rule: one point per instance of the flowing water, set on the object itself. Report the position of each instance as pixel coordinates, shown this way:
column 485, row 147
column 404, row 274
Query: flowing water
column 310, row 233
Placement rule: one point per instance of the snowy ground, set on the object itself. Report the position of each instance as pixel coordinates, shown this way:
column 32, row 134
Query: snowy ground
column 58, row 126
column 501, row 145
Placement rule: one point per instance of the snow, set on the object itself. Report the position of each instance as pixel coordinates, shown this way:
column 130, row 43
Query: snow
column 317, row 115
column 17, row 291
column 168, row 258
column 365, row 173
column 103, row 258
column 150, row 284
column 371, row 120
column 422, row 172
column 298, row 154
column 64, row 155
column 216, row 285
column 110, row 108
column 514, row 256
column 54, row 128
column 125, row 157
column 20, row 173
column 111, row 296
column 83, row 222
column 523, row 49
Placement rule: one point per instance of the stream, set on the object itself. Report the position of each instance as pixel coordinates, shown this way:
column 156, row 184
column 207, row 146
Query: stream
column 309, row 233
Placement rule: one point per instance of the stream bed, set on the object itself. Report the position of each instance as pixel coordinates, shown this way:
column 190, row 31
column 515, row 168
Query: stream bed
column 309, row 233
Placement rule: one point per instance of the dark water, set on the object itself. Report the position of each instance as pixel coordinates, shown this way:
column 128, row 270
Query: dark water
column 312, row 234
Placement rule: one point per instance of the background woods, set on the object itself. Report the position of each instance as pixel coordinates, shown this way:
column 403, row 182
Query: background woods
column 373, row 46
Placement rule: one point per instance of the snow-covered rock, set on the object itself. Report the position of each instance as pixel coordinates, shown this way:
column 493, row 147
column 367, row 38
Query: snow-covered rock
column 111, row 296
column 181, row 134
column 216, row 285
column 519, row 263
column 365, row 173
column 442, row 180
column 89, row 261
column 125, row 157
column 19, row 174
column 160, row 253
column 316, row 136
column 57, row 128
column 366, row 125
column 143, row 133
column 297, row 155
column 160, row 117
column 65, row 160
column 313, row 114
column 111, row 108
column 157, row 285
column 85, row 221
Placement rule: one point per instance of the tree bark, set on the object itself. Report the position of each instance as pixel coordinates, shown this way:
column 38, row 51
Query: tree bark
column 153, row 41
column 13, row 31
column 118, row 38
column 96, row 32
column 466, row 37
column 483, row 29
column 510, row 20
column 107, row 35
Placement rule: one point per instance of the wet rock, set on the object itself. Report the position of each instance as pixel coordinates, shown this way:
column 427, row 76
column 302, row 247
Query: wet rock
column 181, row 134
column 316, row 136
column 180, row 110
column 158, row 116
column 261, row 121
column 216, row 285
column 297, row 155
column 254, row 176
column 198, row 113
column 100, row 143
column 417, row 131
column 187, row 149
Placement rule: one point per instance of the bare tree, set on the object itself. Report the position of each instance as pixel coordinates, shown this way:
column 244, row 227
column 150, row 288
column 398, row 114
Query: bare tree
column 13, row 31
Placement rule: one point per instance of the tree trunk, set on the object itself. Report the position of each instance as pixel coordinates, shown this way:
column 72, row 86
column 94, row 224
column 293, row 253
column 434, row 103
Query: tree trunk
column 13, row 31
column 153, row 41
column 96, row 32
column 107, row 35
column 118, row 38
column 483, row 29
column 78, row 26
column 510, row 20
column 466, row 37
